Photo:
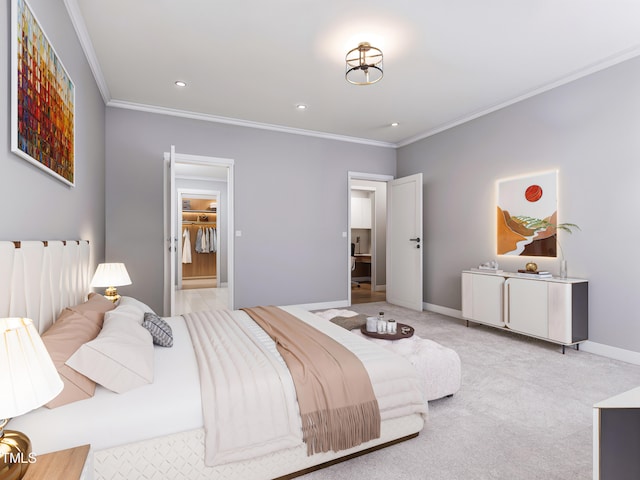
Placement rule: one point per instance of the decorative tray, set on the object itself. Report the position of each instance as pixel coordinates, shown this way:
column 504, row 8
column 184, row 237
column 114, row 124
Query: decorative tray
column 403, row 331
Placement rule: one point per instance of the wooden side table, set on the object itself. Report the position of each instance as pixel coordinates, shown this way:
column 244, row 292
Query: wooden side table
column 62, row 465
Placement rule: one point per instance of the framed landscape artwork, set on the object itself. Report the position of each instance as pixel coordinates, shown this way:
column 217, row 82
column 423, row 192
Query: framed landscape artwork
column 42, row 98
column 527, row 215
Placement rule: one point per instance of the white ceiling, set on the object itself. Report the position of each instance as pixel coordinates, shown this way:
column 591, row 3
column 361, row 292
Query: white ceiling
column 252, row 61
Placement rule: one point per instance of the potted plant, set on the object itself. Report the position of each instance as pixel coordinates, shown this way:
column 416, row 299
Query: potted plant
column 538, row 224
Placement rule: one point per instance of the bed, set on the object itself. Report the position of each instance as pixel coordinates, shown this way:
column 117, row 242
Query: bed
column 157, row 430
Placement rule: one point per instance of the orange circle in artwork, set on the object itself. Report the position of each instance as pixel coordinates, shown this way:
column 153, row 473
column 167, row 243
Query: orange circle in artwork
column 533, row 193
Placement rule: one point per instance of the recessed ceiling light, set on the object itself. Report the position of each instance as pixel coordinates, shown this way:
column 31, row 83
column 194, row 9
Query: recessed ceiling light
column 395, row 124
column 301, row 106
column 180, row 83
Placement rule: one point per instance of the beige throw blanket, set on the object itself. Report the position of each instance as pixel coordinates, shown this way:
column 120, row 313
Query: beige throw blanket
column 337, row 404
column 248, row 397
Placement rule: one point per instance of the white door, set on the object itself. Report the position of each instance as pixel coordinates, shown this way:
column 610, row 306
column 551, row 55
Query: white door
column 171, row 208
column 404, row 242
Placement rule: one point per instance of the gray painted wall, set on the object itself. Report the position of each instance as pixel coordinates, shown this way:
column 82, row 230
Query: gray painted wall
column 589, row 131
column 291, row 201
column 34, row 204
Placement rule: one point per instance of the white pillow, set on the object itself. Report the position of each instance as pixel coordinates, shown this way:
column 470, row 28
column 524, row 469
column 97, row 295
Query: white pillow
column 120, row 358
column 143, row 307
column 126, row 312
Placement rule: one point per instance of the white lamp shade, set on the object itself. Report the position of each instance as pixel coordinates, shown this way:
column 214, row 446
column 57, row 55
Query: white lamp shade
column 28, row 377
column 110, row 275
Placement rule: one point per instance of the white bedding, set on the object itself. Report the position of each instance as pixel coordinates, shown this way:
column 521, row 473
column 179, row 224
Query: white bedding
column 270, row 421
column 395, row 382
column 248, row 396
column 170, row 404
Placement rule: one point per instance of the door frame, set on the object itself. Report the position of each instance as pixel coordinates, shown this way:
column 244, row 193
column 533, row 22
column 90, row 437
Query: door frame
column 376, row 177
column 229, row 163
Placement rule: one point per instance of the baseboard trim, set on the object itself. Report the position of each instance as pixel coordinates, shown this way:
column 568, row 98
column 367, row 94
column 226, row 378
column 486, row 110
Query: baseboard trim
column 323, row 305
column 608, row 351
column 450, row 312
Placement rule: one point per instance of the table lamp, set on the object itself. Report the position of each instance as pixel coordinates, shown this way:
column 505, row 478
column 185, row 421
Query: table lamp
column 111, row 275
column 28, row 380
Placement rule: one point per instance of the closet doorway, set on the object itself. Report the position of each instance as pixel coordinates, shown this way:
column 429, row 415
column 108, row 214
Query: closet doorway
column 198, row 264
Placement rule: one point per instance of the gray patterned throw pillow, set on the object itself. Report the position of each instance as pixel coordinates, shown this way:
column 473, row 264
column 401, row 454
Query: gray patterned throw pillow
column 159, row 329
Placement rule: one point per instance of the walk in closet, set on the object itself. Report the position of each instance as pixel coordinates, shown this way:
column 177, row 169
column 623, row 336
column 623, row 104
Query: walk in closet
column 199, row 238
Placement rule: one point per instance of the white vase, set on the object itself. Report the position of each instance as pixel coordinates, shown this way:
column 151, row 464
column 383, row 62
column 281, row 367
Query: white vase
column 563, row 268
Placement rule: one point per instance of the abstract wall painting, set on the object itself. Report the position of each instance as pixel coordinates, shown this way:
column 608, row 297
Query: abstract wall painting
column 527, row 215
column 42, row 99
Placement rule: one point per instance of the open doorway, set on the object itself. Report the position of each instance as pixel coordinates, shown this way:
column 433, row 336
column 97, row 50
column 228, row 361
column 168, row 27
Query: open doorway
column 199, row 214
column 402, row 254
column 367, row 237
column 202, row 251
column 199, row 244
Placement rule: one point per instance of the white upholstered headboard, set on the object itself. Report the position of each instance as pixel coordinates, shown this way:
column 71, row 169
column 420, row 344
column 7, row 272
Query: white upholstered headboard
column 39, row 279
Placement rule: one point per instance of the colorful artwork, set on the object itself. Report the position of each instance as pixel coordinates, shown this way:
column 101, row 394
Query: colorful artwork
column 527, row 215
column 43, row 99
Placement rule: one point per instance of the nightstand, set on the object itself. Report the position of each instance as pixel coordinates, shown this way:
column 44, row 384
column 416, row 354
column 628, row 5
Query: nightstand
column 62, row 465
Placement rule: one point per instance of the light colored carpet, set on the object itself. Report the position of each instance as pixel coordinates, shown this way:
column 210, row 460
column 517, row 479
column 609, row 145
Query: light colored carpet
column 524, row 411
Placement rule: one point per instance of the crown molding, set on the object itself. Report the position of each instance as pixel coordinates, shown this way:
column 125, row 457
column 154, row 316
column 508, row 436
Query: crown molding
column 607, row 62
column 244, row 123
column 81, row 30
column 85, row 41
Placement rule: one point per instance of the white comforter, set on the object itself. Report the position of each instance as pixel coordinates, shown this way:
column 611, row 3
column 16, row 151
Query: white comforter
column 169, row 405
column 241, row 358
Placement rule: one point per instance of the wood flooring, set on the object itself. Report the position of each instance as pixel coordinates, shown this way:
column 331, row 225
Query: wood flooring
column 203, row 282
column 363, row 294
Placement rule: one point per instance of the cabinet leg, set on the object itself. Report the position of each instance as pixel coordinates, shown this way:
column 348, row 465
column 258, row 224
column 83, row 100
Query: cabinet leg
column 577, row 345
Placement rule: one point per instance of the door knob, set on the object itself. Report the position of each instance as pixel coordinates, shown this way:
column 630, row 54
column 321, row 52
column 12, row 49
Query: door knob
column 414, row 239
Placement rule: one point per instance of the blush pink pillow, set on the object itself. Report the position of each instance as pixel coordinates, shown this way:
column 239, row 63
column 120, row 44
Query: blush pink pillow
column 74, row 327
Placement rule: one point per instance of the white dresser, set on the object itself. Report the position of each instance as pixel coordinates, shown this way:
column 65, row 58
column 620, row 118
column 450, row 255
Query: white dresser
column 554, row 309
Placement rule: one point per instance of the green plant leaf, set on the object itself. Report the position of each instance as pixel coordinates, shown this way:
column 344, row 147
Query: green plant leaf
column 537, row 224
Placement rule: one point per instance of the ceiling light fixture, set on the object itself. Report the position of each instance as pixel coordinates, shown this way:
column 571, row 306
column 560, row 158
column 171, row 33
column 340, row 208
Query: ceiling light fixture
column 364, row 65
column 180, row 83
column 301, row 106
column 395, row 124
